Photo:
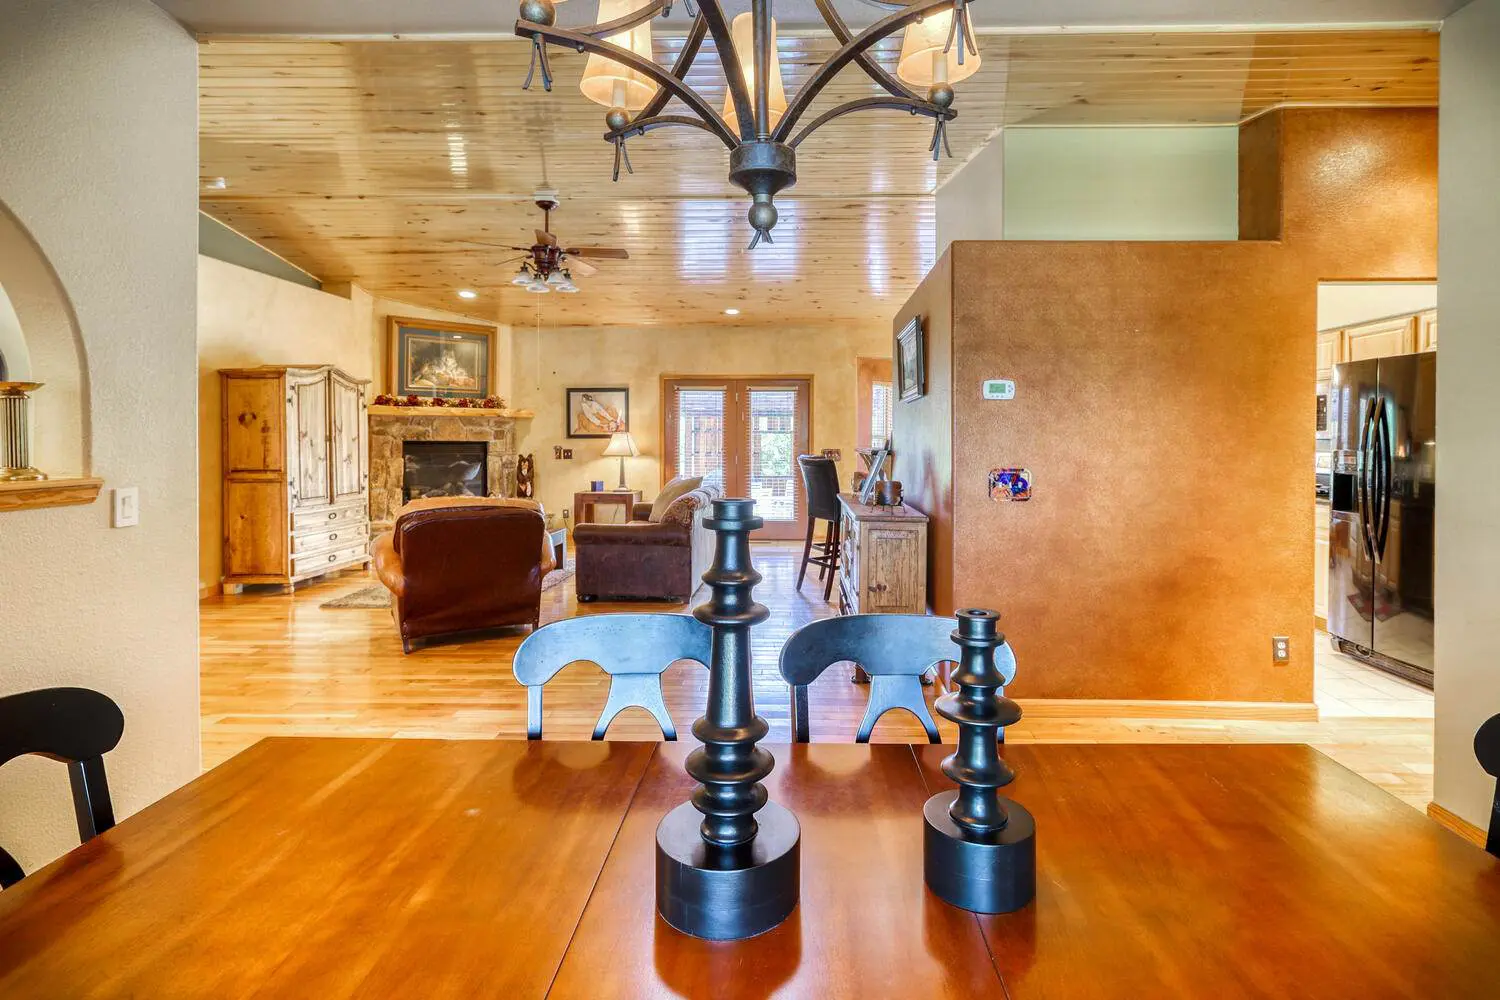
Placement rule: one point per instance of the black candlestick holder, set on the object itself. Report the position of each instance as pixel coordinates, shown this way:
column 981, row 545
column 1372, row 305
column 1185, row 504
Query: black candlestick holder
column 979, row 849
column 728, row 862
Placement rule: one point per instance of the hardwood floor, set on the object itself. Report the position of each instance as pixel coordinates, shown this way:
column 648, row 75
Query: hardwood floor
column 276, row 665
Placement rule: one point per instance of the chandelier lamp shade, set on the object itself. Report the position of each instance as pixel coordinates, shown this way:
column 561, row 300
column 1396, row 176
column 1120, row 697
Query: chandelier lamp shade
column 756, row 123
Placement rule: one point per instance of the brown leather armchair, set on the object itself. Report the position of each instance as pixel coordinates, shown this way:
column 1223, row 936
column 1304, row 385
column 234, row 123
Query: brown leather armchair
column 647, row 560
column 456, row 564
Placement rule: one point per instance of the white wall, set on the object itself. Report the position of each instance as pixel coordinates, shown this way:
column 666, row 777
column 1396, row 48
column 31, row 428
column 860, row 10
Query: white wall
column 1468, row 481
column 1349, row 303
column 970, row 206
column 12, row 342
column 99, row 119
column 1108, row 183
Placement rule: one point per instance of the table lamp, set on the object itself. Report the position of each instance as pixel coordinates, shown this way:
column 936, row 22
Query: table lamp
column 621, row 446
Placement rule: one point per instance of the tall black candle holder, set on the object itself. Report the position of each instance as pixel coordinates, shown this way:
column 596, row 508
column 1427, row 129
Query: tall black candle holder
column 979, row 849
column 728, row 862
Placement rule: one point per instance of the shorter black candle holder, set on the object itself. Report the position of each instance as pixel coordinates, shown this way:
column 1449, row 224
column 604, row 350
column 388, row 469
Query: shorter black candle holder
column 979, row 849
column 728, row 862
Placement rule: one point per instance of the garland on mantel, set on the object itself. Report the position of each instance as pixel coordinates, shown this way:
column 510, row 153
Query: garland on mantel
column 487, row 403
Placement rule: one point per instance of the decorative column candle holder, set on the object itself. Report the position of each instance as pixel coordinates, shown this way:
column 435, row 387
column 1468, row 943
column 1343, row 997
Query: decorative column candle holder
column 15, row 432
column 728, row 862
column 979, row 849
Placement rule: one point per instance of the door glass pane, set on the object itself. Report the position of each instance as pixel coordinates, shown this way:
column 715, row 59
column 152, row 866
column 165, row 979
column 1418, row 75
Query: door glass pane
column 700, row 434
column 773, row 459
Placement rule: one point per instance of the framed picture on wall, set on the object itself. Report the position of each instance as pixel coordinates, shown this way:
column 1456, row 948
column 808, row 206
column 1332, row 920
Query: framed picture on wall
column 910, row 354
column 429, row 358
column 597, row 413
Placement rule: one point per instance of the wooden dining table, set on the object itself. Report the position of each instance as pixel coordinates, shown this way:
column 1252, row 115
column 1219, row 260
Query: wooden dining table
column 329, row 868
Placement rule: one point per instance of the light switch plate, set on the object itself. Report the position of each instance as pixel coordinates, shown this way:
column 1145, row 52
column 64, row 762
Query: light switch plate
column 1281, row 648
column 125, row 506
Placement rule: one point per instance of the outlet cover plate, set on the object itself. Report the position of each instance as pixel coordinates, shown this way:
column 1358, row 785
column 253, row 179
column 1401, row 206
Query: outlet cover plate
column 1281, row 648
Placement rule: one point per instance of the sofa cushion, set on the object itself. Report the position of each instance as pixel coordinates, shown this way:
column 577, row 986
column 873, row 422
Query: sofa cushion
column 670, row 493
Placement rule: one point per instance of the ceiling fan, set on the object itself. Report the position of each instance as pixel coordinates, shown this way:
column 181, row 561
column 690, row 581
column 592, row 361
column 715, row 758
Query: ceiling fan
column 549, row 266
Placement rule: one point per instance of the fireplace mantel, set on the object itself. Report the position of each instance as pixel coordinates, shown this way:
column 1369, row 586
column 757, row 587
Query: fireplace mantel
column 391, row 425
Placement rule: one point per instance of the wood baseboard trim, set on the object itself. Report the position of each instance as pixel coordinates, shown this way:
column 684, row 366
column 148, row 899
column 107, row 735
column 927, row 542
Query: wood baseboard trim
column 1100, row 708
column 205, row 591
column 1320, row 623
column 1457, row 824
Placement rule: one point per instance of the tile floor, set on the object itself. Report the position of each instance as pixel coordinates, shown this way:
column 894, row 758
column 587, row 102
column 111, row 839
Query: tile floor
column 1345, row 688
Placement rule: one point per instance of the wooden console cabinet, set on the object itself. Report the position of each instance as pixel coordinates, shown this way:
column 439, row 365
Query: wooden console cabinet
column 882, row 559
column 296, row 474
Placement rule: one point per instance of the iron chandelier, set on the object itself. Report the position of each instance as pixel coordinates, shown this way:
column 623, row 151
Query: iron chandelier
column 937, row 51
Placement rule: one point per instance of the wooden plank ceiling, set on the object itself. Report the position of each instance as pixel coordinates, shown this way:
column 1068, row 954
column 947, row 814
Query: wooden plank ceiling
column 371, row 161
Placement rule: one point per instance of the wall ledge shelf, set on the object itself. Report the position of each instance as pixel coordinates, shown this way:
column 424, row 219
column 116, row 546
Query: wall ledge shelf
column 49, row 493
column 447, row 411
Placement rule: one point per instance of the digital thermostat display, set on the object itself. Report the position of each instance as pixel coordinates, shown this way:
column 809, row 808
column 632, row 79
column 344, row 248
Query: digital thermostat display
column 999, row 388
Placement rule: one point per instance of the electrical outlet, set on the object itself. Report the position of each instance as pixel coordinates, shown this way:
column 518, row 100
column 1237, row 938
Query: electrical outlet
column 125, row 506
column 1281, row 648
column 567, row 454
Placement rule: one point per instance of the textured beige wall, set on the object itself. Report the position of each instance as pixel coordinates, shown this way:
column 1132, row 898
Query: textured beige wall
column 637, row 358
column 99, row 118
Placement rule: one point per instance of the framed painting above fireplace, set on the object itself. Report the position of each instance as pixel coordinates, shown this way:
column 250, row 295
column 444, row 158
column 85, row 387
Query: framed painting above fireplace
column 431, row 358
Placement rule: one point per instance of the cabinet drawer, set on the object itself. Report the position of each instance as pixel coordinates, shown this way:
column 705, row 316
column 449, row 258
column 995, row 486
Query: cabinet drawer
column 339, row 534
column 308, row 521
column 327, row 562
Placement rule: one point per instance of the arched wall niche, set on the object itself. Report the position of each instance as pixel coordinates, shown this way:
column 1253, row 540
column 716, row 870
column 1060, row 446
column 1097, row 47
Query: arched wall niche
column 41, row 341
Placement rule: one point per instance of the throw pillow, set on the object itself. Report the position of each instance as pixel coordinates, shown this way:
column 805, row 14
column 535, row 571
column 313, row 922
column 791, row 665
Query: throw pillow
column 678, row 487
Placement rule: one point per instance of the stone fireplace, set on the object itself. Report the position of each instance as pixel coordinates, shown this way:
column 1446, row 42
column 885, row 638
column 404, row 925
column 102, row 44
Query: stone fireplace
column 392, row 427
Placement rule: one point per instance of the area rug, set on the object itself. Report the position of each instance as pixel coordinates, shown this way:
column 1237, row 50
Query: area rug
column 378, row 597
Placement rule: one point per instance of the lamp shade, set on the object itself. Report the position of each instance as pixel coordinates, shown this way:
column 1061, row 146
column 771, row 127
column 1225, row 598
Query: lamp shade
column 923, row 61
column 610, row 83
column 742, row 30
column 621, row 445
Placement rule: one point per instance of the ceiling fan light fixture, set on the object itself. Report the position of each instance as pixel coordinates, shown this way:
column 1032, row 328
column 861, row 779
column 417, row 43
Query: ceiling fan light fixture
column 538, row 286
column 556, row 278
column 923, row 61
column 612, row 84
column 523, row 276
column 742, row 29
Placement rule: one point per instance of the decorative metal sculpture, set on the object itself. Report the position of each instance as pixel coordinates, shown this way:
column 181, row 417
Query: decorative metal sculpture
column 762, row 147
column 15, row 433
column 979, row 849
column 728, row 862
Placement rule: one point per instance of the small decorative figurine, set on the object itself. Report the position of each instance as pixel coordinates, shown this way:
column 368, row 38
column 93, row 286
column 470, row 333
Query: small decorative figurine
column 526, row 476
column 728, row 862
column 979, row 850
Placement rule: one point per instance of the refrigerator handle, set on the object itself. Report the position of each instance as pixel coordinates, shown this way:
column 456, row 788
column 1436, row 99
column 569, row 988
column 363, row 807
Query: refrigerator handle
column 1364, row 484
column 1383, row 443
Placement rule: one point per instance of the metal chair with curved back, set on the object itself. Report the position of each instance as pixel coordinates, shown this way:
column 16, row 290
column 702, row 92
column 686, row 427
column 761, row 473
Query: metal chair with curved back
column 820, row 480
column 895, row 650
column 73, row 725
column 634, row 649
column 1487, row 749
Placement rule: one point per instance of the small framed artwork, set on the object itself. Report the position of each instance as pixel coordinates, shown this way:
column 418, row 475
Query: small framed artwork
column 1010, row 485
column 452, row 360
column 597, row 413
column 911, row 354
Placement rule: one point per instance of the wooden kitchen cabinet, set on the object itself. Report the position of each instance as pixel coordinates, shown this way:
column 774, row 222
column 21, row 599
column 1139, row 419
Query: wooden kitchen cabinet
column 882, row 559
column 1381, row 339
column 1329, row 352
column 1427, row 330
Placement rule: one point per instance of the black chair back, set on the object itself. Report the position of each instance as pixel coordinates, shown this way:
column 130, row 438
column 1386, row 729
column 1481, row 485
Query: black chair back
column 1487, row 749
column 820, row 477
column 895, row 650
column 73, row 725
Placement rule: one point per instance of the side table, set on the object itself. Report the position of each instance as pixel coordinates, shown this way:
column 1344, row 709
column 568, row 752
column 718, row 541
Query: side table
column 585, row 501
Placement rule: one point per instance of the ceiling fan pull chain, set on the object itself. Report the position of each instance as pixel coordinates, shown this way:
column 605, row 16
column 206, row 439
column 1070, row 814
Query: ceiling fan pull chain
column 621, row 154
column 539, row 58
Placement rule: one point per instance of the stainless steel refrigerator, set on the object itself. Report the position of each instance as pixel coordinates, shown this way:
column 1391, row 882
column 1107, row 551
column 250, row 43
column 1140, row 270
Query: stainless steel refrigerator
column 1383, row 417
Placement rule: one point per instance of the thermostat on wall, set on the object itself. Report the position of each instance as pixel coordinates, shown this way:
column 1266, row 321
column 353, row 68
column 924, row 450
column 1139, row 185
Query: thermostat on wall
column 999, row 388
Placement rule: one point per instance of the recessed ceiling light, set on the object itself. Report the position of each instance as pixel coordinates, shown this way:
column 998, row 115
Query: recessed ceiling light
column 731, row 312
column 467, row 293
column 216, row 184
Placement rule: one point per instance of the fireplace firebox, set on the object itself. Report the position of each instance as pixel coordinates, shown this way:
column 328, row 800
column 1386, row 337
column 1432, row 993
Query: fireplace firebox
column 443, row 469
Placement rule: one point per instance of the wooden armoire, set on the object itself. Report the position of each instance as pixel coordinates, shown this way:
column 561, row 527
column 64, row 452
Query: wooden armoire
column 296, row 474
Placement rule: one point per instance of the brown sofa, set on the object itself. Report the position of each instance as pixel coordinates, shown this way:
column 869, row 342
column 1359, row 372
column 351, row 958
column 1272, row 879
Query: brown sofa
column 456, row 564
column 644, row 560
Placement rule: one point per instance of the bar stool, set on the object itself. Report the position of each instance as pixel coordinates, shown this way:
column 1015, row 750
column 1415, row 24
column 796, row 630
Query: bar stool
column 820, row 480
column 1487, row 750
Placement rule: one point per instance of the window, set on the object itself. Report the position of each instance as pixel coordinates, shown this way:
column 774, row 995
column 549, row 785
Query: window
column 875, row 402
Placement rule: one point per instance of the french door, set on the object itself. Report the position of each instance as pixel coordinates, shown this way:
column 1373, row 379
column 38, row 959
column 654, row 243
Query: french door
column 743, row 435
